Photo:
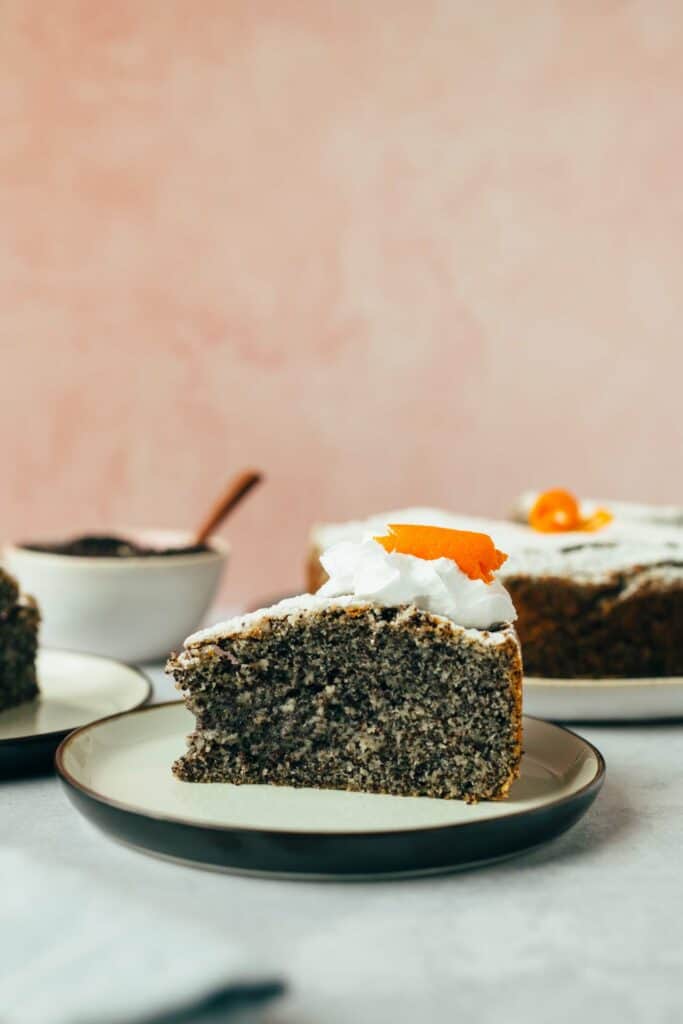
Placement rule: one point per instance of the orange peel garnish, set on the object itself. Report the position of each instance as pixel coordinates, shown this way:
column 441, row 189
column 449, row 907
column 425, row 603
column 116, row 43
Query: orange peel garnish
column 558, row 511
column 601, row 517
column 474, row 553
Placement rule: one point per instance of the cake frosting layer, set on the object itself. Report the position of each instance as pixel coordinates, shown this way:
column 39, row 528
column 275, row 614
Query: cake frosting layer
column 622, row 546
column 365, row 570
column 592, row 561
column 303, row 604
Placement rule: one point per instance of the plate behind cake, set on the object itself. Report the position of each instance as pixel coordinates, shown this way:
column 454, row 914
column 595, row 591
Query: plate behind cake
column 605, row 700
column 75, row 689
column 117, row 774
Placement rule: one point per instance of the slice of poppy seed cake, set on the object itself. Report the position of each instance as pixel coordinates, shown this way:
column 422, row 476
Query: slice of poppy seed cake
column 341, row 691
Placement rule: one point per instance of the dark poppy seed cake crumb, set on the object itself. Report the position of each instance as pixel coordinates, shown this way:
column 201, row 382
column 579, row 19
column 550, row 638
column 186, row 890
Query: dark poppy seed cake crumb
column 353, row 696
column 9, row 593
column 625, row 621
column 19, row 621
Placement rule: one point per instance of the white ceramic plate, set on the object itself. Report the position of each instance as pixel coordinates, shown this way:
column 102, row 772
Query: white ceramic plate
column 118, row 773
column 75, row 689
column 604, row 700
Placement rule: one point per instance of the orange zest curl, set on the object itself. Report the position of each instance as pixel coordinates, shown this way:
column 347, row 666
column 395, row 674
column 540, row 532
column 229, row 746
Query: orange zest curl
column 474, row 553
column 554, row 512
column 558, row 511
column 601, row 517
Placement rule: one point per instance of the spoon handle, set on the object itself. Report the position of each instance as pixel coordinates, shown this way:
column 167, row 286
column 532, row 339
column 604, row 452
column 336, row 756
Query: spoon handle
column 236, row 490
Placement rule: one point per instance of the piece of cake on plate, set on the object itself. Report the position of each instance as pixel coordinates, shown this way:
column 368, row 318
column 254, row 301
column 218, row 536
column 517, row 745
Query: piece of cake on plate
column 402, row 675
column 19, row 621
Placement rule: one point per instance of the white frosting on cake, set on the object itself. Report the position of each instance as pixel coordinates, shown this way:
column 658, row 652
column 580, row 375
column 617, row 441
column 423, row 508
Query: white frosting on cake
column 587, row 560
column 622, row 546
column 363, row 569
column 301, row 605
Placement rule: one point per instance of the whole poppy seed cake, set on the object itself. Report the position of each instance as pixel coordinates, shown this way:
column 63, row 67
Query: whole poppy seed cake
column 371, row 685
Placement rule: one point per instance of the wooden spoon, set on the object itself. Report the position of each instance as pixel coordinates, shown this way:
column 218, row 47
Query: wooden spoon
column 237, row 489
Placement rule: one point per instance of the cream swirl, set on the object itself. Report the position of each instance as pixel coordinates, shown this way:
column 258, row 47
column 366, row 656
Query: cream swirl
column 366, row 571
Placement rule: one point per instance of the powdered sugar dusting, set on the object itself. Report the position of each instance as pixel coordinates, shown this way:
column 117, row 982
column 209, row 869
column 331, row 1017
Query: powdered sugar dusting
column 595, row 561
column 303, row 604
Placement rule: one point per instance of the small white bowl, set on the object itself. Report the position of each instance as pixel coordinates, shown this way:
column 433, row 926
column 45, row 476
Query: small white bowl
column 131, row 609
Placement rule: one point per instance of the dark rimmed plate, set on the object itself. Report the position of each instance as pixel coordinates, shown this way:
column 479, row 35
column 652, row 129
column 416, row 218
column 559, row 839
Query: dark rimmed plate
column 75, row 689
column 118, row 774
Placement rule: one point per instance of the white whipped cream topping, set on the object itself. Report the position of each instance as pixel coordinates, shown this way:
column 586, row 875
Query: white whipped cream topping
column 364, row 570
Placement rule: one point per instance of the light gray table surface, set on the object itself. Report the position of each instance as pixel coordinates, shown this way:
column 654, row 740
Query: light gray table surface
column 588, row 928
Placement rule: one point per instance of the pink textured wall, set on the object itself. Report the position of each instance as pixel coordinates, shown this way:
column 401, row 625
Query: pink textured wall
column 390, row 252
